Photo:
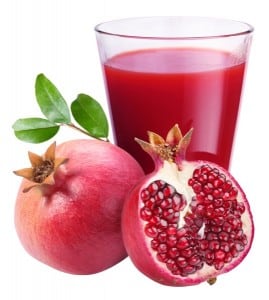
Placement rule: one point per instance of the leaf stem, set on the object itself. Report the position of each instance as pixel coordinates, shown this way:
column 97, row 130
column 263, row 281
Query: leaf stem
column 73, row 126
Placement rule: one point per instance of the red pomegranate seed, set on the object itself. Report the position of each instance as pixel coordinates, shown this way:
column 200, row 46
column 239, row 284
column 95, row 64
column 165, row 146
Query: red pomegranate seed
column 182, row 243
column 151, row 230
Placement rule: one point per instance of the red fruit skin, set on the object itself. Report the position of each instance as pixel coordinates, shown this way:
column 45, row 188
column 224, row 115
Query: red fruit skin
column 75, row 225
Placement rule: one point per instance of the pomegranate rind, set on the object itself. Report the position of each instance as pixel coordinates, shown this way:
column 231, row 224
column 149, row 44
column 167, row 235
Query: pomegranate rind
column 138, row 245
column 74, row 225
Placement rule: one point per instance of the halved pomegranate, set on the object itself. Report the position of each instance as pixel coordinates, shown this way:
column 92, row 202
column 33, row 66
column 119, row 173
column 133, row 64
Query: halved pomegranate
column 187, row 222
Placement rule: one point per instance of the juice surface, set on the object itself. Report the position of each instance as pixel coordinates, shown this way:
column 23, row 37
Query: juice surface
column 157, row 88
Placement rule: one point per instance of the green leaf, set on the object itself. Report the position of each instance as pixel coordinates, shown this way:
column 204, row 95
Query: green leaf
column 34, row 130
column 50, row 101
column 90, row 115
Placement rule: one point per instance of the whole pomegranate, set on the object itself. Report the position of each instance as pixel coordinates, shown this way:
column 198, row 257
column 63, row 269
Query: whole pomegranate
column 188, row 221
column 69, row 217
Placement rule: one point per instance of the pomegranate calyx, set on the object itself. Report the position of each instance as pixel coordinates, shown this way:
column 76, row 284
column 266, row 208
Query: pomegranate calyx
column 171, row 149
column 43, row 168
column 212, row 280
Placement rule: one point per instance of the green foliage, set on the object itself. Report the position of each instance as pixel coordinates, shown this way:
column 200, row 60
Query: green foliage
column 86, row 111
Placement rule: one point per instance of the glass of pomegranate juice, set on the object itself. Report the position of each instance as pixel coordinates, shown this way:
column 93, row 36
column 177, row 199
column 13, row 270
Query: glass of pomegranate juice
column 160, row 71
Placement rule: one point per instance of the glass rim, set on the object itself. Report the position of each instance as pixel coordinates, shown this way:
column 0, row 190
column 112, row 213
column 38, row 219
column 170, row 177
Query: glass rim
column 104, row 28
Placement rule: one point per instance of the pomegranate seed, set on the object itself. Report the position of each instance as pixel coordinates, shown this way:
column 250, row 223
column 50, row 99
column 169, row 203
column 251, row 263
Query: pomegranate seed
column 173, row 252
column 227, row 205
column 219, row 255
column 210, row 211
column 203, row 244
column 162, row 257
column 171, row 265
column 218, row 193
column 171, row 240
column 218, row 182
column 157, row 211
column 152, row 188
column 233, row 221
column 166, row 203
column 240, row 207
column 188, row 270
column 162, row 248
column 159, row 197
column 163, row 224
column 182, row 243
column 181, row 232
column 233, row 193
column 145, row 214
column 145, row 195
column 194, row 260
column 202, row 178
column 216, row 172
column 234, row 251
column 196, row 173
column 150, row 204
column 219, row 265
column 151, row 230
column 162, row 237
column 155, row 220
column 208, row 188
column 176, row 202
column 227, row 186
column 239, row 234
column 214, row 245
column 225, row 246
column 183, row 203
column 217, row 202
column 168, row 214
column 154, row 244
column 200, row 210
column 227, row 227
column 211, row 178
column 171, row 231
column 188, row 252
column 239, row 246
column 189, row 220
column 209, row 257
column 168, row 191
column 198, row 222
column 212, row 236
column 197, row 187
column 181, row 262
column 228, row 258
column 160, row 183
column 216, row 229
column 206, row 169
column 244, row 239
column 218, row 221
column 226, row 196
column 219, row 211
column 224, row 236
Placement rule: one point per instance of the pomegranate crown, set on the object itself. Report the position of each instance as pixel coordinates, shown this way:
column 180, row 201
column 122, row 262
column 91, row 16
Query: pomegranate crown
column 171, row 149
column 43, row 168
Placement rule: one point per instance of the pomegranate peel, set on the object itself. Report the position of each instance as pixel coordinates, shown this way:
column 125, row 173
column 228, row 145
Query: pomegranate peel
column 188, row 221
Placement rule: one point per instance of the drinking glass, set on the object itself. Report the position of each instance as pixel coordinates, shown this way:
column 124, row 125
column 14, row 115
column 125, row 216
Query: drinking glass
column 161, row 71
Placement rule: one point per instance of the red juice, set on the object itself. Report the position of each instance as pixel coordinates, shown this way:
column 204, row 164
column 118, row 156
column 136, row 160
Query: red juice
column 157, row 88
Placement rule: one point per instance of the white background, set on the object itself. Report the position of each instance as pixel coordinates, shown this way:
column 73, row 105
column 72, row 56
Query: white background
column 57, row 38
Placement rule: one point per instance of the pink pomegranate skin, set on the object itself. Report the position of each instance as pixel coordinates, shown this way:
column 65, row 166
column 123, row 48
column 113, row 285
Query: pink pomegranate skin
column 138, row 245
column 75, row 225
